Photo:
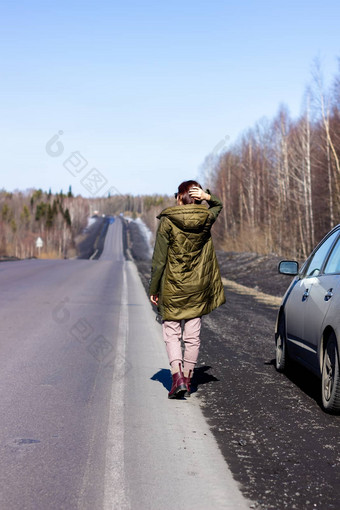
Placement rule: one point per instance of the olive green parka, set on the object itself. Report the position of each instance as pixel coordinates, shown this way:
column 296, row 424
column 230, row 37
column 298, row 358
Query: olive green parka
column 185, row 272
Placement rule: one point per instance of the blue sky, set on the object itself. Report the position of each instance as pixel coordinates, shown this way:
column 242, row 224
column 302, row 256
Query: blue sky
column 143, row 91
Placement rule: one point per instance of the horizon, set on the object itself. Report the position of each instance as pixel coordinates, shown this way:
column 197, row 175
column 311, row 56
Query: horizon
column 132, row 98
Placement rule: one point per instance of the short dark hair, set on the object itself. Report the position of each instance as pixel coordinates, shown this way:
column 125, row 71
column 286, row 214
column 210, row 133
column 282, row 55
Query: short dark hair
column 183, row 192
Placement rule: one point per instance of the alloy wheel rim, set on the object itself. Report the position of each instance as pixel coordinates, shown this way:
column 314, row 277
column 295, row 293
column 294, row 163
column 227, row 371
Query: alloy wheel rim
column 279, row 350
column 328, row 377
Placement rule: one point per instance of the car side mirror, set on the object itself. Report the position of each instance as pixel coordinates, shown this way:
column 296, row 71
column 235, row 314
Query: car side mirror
column 289, row 267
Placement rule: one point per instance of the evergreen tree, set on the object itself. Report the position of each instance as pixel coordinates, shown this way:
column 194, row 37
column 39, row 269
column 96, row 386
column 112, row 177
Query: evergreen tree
column 40, row 211
column 37, row 194
column 67, row 217
column 5, row 212
column 49, row 217
column 25, row 216
column 55, row 207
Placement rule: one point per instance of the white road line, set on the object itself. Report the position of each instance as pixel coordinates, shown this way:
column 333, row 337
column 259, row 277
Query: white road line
column 115, row 489
column 93, row 254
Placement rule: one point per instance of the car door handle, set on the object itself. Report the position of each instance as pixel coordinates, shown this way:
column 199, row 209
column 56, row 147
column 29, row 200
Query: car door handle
column 328, row 295
column 305, row 295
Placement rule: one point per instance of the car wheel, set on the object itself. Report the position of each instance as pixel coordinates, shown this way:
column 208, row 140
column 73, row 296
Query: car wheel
column 330, row 381
column 281, row 354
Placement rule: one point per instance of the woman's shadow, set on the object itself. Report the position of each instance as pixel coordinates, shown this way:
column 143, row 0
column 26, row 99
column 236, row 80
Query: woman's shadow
column 200, row 377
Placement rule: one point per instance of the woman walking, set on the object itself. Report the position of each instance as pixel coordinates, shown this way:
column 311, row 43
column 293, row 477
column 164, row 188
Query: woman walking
column 185, row 278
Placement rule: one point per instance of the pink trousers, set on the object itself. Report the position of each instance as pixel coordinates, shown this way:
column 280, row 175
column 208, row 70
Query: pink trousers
column 172, row 333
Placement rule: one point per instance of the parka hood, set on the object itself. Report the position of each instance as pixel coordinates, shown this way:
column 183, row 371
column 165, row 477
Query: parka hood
column 190, row 217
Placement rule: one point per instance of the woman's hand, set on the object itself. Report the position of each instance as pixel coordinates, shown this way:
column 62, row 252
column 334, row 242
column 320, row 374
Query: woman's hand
column 154, row 299
column 198, row 193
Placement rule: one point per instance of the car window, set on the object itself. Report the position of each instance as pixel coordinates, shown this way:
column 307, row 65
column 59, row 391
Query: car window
column 314, row 266
column 333, row 263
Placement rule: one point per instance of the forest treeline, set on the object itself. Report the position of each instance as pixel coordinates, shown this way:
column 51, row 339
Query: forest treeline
column 280, row 181
column 279, row 184
column 55, row 218
column 60, row 219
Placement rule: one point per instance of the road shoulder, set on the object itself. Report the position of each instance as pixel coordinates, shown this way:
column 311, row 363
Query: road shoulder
column 170, row 453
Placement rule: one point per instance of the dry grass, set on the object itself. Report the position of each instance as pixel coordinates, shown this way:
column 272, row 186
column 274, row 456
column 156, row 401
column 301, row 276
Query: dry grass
column 261, row 297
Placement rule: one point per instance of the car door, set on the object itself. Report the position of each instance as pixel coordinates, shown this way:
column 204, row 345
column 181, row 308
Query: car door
column 294, row 310
column 304, row 310
column 316, row 310
column 324, row 293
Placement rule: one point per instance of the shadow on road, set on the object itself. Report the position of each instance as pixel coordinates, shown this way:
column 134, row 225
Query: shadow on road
column 200, row 377
column 305, row 380
column 163, row 376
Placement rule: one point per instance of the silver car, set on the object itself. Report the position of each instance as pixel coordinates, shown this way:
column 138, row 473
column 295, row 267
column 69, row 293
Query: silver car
column 308, row 322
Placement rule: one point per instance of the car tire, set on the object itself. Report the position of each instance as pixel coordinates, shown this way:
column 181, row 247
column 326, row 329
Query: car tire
column 330, row 380
column 281, row 354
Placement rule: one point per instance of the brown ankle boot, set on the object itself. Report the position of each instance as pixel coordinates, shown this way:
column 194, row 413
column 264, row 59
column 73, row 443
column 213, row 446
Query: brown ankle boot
column 187, row 382
column 178, row 388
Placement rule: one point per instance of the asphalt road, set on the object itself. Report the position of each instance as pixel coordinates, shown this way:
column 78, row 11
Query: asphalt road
column 85, row 419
